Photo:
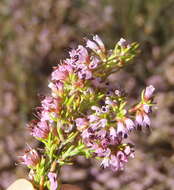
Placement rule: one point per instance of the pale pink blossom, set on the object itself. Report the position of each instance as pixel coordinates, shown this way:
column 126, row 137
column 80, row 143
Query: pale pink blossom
column 53, row 180
column 59, row 75
column 113, row 132
column 93, row 118
column 79, row 55
column 100, row 43
column 123, row 43
column 105, row 162
column 40, row 130
column 94, row 63
column 146, row 120
column 31, row 158
column 85, row 74
column 146, row 108
column 139, row 119
column 92, row 45
column 129, row 124
column 121, row 130
column 81, row 123
column 149, row 92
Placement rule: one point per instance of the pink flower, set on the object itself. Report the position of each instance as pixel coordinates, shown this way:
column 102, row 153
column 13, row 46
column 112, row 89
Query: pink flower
column 45, row 115
column 65, row 68
column 40, row 129
column 31, row 158
column 86, row 134
column 139, row 119
column 121, row 130
column 105, row 162
column 109, row 101
column 146, row 120
column 99, row 151
column 115, row 165
column 117, row 160
column 93, row 118
column 105, row 109
column 92, row 45
column 113, row 132
column 59, row 75
column 121, row 156
column 97, row 45
column 101, row 133
column 142, row 119
column 78, row 56
column 146, row 108
column 53, row 180
column 103, row 122
column 99, row 42
column 127, row 150
column 93, row 63
column 85, row 74
column 81, row 123
column 96, row 109
column 123, row 43
column 46, row 102
column 129, row 124
column 50, row 104
column 149, row 92
column 56, row 87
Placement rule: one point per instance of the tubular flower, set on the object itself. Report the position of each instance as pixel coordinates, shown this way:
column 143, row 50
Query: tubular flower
column 149, row 92
column 53, row 180
column 99, row 42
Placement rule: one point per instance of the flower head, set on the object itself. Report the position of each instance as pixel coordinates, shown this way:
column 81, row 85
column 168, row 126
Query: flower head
column 85, row 114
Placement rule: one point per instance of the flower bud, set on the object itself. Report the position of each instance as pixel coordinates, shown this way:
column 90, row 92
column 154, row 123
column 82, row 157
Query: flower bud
column 149, row 92
column 31, row 157
column 53, row 180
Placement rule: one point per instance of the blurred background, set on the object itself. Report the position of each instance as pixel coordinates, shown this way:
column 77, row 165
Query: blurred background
column 35, row 34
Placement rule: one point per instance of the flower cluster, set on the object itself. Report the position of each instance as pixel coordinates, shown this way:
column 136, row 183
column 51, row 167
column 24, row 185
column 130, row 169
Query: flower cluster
column 84, row 114
column 104, row 130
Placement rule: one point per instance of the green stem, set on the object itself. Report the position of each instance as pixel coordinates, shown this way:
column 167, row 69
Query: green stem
column 70, row 138
column 59, row 130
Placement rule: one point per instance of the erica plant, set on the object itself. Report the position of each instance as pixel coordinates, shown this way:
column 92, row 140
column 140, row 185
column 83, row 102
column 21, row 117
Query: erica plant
column 84, row 115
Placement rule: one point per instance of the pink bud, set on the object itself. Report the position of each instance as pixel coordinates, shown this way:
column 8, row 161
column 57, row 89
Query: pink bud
column 146, row 120
column 92, row 45
column 53, row 180
column 139, row 119
column 149, row 92
column 99, row 42
column 129, row 124
column 123, row 43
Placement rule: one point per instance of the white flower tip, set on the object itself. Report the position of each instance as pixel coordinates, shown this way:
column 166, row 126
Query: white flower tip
column 149, row 91
column 122, row 42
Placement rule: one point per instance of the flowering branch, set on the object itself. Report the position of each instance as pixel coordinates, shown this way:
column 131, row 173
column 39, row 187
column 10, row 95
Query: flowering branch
column 84, row 115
